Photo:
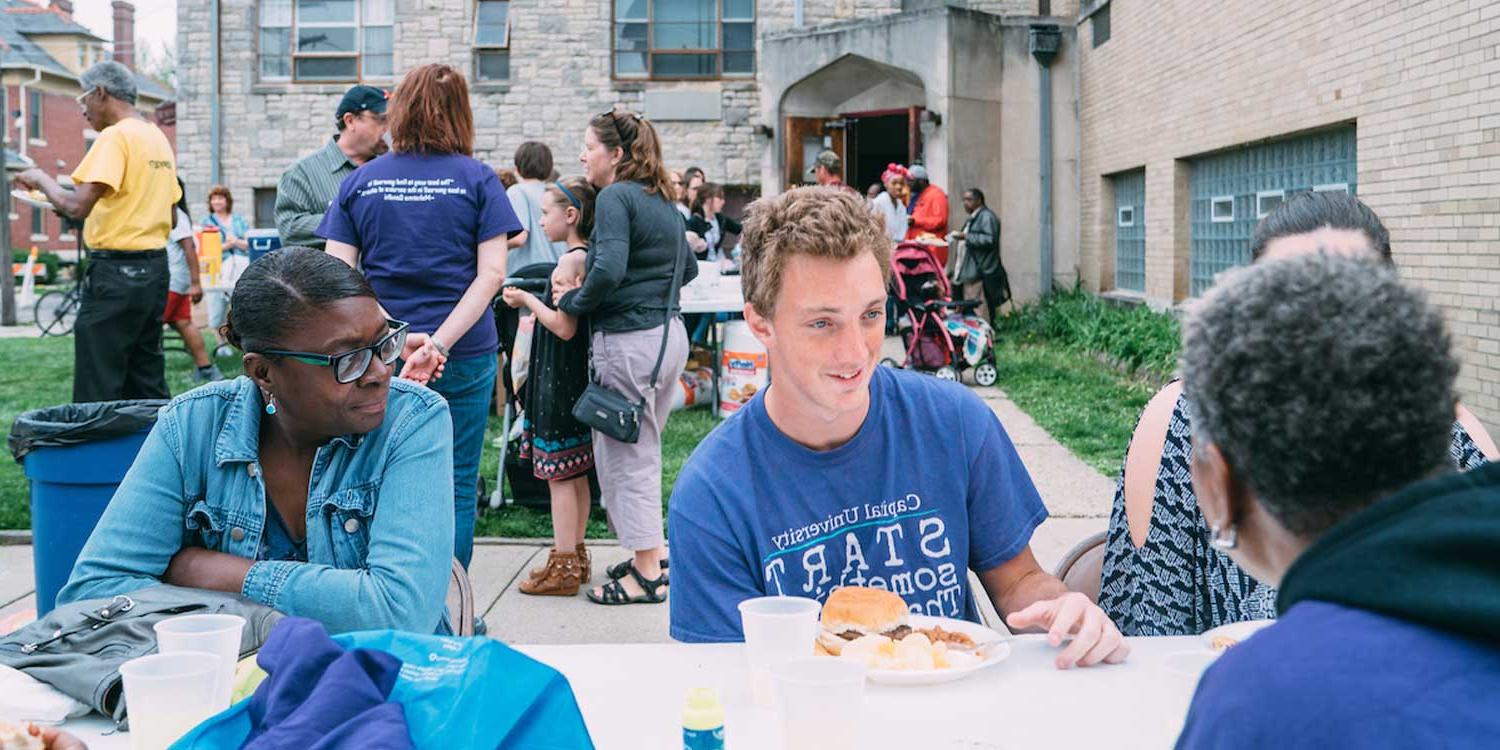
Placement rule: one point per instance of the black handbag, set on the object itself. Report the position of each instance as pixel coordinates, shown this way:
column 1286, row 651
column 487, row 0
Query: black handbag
column 611, row 413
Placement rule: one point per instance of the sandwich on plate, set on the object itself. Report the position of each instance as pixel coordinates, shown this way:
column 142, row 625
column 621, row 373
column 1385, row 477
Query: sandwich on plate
column 872, row 626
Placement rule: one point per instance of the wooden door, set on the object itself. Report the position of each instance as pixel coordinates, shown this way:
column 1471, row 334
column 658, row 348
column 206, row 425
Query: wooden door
column 804, row 138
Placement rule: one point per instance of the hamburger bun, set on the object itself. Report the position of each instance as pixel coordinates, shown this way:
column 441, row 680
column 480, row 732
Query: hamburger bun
column 861, row 611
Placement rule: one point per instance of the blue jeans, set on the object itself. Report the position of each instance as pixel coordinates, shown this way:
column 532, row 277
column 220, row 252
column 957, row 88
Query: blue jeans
column 468, row 385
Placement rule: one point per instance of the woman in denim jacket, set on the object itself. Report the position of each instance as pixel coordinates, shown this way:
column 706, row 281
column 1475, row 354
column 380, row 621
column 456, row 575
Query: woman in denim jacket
column 315, row 484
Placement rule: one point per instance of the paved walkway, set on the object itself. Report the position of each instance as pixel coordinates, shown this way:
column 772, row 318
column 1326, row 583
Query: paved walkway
column 1077, row 496
column 26, row 330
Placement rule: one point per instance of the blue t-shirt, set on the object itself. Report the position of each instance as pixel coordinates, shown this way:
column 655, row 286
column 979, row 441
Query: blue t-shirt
column 418, row 221
column 929, row 488
column 1327, row 675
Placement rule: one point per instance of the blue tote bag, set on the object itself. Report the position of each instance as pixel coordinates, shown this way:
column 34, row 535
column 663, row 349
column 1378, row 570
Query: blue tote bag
column 455, row 692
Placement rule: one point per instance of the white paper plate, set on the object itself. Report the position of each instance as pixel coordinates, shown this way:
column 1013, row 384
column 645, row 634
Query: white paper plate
column 993, row 644
column 24, row 196
column 1235, row 631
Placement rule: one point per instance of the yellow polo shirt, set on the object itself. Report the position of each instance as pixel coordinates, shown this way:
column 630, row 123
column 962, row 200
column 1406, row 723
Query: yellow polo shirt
column 134, row 160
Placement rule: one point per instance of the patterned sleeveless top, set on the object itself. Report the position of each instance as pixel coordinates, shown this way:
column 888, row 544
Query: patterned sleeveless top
column 1177, row 583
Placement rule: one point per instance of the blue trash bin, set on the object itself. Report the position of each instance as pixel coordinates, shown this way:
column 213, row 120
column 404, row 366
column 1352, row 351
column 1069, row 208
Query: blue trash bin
column 262, row 241
column 75, row 456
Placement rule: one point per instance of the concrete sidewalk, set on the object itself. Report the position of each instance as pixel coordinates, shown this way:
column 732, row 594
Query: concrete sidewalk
column 1077, row 497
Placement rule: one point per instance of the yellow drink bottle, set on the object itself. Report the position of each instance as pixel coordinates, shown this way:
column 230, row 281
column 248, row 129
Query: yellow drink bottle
column 703, row 720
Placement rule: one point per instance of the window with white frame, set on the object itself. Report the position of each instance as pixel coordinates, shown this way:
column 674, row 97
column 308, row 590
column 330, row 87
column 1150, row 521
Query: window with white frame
column 38, row 224
column 1266, row 201
column 34, row 116
column 492, row 40
column 677, row 39
column 327, row 40
column 1222, row 208
column 1126, row 216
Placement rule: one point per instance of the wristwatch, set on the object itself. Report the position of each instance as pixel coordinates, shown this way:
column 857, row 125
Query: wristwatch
column 438, row 345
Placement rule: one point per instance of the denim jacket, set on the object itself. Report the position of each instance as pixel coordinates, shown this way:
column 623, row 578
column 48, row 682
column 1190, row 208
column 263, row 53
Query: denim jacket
column 379, row 512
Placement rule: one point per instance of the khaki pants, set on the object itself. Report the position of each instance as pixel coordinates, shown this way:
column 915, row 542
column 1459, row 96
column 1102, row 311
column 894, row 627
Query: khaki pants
column 630, row 473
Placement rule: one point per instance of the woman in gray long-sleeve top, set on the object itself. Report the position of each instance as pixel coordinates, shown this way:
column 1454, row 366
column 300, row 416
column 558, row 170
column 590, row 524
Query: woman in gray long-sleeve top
column 626, row 293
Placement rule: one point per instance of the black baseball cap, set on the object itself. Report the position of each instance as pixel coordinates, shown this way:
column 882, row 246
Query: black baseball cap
column 361, row 98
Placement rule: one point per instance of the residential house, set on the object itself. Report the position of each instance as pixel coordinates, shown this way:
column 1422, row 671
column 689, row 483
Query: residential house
column 42, row 53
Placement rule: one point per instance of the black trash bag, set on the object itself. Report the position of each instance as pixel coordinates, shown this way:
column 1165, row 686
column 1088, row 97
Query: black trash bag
column 73, row 424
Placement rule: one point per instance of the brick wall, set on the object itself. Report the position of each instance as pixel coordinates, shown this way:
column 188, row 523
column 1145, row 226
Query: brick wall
column 1421, row 80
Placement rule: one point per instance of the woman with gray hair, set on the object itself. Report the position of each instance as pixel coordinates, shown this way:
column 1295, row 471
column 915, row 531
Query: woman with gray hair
column 1161, row 574
column 1385, row 556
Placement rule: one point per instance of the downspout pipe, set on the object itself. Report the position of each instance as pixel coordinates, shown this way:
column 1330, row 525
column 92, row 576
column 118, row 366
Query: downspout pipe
column 1045, row 40
column 214, row 134
column 797, row 16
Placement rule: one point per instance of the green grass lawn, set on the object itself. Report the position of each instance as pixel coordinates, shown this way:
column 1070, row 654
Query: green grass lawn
column 1090, row 408
column 1087, row 406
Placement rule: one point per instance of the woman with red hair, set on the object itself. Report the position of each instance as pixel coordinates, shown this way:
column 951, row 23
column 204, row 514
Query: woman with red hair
column 429, row 224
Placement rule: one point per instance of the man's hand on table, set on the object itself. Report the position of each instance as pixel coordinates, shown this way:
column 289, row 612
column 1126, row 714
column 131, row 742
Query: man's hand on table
column 1095, row 637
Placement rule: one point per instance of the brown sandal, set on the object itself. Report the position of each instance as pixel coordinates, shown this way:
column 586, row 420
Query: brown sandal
column 560, row 577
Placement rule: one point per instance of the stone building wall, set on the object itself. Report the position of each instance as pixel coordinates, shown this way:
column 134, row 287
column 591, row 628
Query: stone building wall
column 1418, row 80
column 560, row 76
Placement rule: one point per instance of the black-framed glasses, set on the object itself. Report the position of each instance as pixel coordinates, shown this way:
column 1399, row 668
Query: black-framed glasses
column 352, row 365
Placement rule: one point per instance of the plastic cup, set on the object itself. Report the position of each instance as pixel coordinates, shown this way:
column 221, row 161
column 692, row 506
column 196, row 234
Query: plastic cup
column 168, row 694
column 778, row 629
column 214, row 634
column 821, row 703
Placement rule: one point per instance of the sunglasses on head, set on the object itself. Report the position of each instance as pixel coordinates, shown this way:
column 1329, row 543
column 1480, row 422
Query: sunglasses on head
column 352, row 365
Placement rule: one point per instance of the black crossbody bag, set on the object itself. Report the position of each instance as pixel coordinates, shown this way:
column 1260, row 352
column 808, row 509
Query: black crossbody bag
column 611, row 413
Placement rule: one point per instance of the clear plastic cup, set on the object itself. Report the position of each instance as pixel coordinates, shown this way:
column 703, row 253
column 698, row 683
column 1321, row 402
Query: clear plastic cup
column 821, row 703
column 778, row 629
column 214, row 634
column 168, row 694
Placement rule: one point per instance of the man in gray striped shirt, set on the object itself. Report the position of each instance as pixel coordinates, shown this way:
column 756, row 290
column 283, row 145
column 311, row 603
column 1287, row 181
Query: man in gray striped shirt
column 310, row 185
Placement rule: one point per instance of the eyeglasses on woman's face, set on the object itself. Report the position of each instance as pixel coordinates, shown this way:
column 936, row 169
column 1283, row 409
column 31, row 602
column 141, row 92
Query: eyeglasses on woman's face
column 352, row 365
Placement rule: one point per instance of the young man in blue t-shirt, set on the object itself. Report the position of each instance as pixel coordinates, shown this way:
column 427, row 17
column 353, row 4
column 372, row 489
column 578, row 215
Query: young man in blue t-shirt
column 843, row 473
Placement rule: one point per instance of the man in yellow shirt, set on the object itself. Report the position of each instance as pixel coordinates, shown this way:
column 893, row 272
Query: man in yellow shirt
column 124, row 188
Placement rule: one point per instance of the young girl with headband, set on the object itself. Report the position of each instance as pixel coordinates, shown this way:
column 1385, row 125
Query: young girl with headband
column 560, row 447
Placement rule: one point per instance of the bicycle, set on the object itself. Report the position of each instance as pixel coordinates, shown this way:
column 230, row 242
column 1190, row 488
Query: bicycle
column 56, row 311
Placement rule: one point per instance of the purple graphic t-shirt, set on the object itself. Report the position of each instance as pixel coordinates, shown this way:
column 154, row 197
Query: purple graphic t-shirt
column 418, row 221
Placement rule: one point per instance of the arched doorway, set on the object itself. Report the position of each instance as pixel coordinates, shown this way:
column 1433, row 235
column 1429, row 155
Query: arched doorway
column 867, row 112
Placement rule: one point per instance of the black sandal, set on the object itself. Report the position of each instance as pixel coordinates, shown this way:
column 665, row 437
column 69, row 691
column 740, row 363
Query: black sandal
column 622, row 568
column 613, row 592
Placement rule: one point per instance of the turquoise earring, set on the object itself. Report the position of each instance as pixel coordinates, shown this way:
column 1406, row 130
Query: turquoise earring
column 271, row 405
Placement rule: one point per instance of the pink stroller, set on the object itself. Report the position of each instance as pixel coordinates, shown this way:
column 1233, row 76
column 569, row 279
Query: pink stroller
column 941, row 335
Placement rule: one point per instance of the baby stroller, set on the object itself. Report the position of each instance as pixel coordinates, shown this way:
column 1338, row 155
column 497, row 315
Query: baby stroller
column 941, row 335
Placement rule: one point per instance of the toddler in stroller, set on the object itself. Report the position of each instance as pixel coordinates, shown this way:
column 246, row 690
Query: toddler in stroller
column 941, row 335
